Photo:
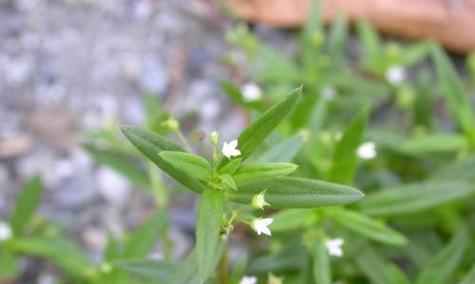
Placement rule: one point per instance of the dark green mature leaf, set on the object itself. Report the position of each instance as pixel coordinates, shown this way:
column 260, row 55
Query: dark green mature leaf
column 321, row 262
column 255, row 134
column 26, row 204
column 121, row 163
column 262, row 171
column 368, row 227
column 416, row 197
column 291, row 192
column 59, row 250
column 210, row 214
column 470, row 277
column 144, row 238
column 192, row 165
column 158, row 271
column 440, row 268
column 452, row 89
column 151, row 144
column 344, row 159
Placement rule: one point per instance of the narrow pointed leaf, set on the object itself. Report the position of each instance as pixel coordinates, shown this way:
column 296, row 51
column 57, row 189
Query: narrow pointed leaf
column 321, row 262
column 434, row 143
column 255, row 134
column 440, row 268
column 144, row 238
column 26, row 204
column 263, row 171
column 151, row 144
column 368, row 227
column 470, row 277
column 284, row 152
column 291, row 220
column 413, row 198
column 192, row 165
column 291, row 192
column 228, row 180
column 158, row 271
column 344, row 159
column 210, row 213
column 231, row 167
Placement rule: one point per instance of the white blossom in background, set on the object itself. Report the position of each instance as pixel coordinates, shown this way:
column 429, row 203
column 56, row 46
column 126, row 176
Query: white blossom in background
column 258, row 201
column 230, row 149
column 261, row 226
column 334, row 247
column 396, row 75
column 329, row 92
column 251, row 92
column 248, row 280
column 5, row 232
column 367, row 151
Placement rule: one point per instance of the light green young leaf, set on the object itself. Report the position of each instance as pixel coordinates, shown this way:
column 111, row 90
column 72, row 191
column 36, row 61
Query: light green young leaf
column 228, row 181
column 158, row 271
column 434, row 143
column 368, row 227
column 262, row 171
column 192, row 165
column 291, row 219
column 210, row 213
column 61, row 251
column 121, row 163
column 291, row 192
column 321, row 262
column 26, row 204
column 284, row 152
column 452, row 89
column 344, row 160
column 151, row 144
column 413, row 198
column 255, row 134
column 470, row 277
column 144, row 238
column 441, row 267
column 231, row 167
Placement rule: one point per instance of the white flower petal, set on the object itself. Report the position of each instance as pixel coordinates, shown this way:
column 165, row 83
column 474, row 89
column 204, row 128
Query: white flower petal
column 5, row 232
column 367, row 151
column 248, row 280
column 251, row 92
column 334, row 247
column 230, row 149
column 261, row 226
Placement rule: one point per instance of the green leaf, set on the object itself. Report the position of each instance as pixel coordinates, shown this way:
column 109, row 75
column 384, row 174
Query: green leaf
column 26, row 204
column 291, row 192
column 456, row 171
column 158, row 271
column 61, row 251
column 144, row 238
column 284, row 152
column 413, row 198
column 291, row 220
column 121, row 163
column 255, row 134
column 9, row 266
column 231, row 167
column 370, row 41
column 151, row 144
column 441, row 267
column 321, row 262
column 192, row 165
column 187, row 270
column 458, row 103
column 293, row 256
column 113, row 250
column 210, row 214
column 434, row 143
column 414, row 54
column 262, row 171
column 344, row 160
column 228, row 181
column 375, row 267
column 368, row 227
column 470, row 277
column 337, row 41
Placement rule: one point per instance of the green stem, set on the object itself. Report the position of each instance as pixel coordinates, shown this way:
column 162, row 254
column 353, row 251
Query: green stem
column 182, row 139
column 223, row 272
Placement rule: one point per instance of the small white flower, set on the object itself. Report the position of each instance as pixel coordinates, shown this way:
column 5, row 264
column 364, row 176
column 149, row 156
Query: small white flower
column 230, row 149
column 251, row 92
column 395, row 75
column 5, row 232
column 261, row 226
column 258, row 201
column 248, row 280
column 367, row 151
column 334, row 247
column 329, row 93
